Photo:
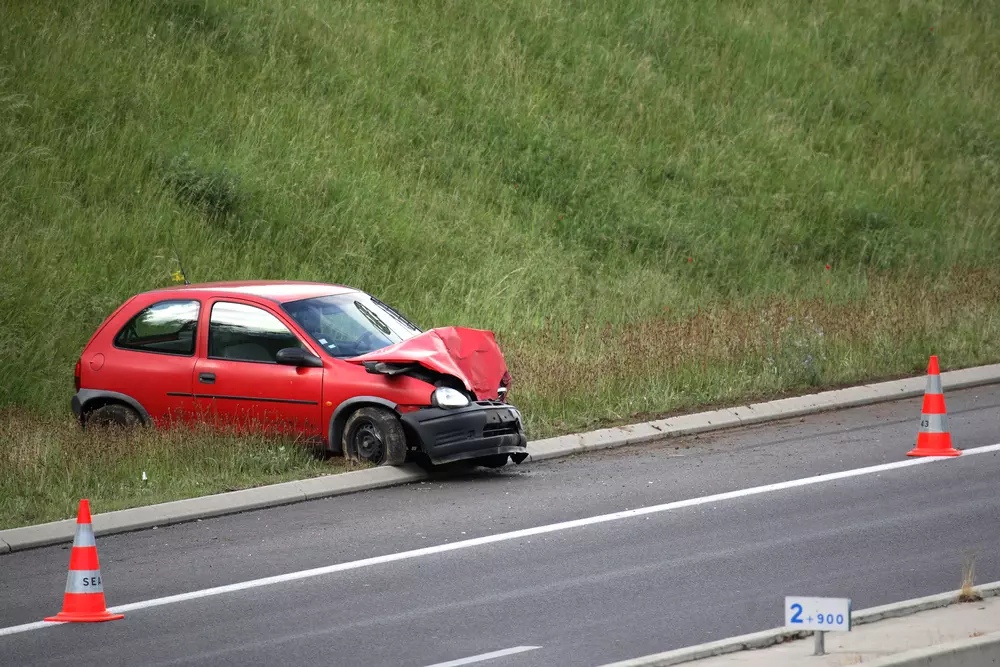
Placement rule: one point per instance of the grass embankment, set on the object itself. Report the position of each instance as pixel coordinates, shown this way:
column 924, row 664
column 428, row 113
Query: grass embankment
column 48, row 464
column 640, row 198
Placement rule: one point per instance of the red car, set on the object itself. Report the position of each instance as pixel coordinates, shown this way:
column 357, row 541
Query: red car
column 324, row 362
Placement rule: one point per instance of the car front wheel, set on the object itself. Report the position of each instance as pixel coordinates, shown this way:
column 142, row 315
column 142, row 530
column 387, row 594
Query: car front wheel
column 374, row 435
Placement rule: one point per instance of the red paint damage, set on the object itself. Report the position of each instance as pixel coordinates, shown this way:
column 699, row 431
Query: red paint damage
column 471, row 355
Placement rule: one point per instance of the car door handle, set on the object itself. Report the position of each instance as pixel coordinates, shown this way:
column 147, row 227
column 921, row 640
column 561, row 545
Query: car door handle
column 206, row 378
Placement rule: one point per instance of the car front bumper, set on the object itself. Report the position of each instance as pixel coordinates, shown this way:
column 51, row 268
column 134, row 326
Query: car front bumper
column 485, row 428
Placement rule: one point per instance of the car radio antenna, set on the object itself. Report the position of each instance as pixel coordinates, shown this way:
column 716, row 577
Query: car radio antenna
column 177, row 256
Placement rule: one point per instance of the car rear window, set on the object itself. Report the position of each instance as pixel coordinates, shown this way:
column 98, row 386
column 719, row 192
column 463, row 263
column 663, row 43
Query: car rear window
column 166, row 327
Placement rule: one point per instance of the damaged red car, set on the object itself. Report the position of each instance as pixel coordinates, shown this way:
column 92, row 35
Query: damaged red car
column 323, row 362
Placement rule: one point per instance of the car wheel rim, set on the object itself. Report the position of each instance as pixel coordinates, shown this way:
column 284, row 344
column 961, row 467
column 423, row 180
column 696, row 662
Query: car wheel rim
column 368, row 443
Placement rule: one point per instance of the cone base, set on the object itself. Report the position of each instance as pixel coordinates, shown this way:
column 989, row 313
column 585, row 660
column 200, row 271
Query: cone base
column 79, row 617
column 933, row 452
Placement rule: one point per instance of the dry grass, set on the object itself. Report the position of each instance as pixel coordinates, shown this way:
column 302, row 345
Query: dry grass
column 570, row 378
column 968, row 592
column 47, row 464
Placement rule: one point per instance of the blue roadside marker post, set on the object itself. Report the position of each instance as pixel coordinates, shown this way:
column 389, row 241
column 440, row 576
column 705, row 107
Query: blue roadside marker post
column 821, row 615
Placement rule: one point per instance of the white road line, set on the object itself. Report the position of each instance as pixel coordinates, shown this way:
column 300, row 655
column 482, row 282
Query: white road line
column 27, row 627
column 518, row 534
column 482, row 657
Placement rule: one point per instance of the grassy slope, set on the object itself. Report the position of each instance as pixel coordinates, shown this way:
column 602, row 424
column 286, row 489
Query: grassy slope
column 639, row 197
column 56, row 465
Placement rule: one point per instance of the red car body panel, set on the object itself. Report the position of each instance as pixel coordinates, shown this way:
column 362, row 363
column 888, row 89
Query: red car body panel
column 164, row 382
column 160, row 383
column 259, row 290
column 471, row 355
column 248, row 395
column 305, row 400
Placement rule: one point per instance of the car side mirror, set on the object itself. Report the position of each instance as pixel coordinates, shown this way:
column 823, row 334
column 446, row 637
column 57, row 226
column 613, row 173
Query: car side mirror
column 296, row 356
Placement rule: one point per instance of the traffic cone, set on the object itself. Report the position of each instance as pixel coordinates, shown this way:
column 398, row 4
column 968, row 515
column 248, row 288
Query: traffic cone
column 933, row 438
column 84, row 598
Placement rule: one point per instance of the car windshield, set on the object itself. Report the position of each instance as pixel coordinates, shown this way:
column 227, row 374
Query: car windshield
column 349, row 325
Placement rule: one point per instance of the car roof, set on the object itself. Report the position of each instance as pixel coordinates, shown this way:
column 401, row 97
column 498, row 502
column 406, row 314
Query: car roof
column 280, row 291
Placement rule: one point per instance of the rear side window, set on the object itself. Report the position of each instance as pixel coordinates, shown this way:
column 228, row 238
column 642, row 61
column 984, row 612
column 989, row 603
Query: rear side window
column 239, row 332
column 166, row 327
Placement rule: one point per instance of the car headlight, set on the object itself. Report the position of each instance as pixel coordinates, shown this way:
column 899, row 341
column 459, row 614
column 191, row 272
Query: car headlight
column 446, row 397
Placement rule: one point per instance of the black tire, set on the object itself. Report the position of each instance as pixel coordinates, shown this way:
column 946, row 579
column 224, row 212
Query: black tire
column 374, row 435
column 495, row 461
column 113, row 415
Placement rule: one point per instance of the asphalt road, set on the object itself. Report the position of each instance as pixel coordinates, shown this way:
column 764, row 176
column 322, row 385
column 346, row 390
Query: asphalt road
column 586, row 594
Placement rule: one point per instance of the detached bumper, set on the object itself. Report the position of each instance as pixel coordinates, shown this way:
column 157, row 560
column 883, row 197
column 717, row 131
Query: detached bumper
column 483, row 429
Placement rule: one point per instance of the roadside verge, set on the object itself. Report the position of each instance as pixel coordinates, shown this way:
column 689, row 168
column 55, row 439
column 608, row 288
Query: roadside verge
column 769, row 638
column 28, row 537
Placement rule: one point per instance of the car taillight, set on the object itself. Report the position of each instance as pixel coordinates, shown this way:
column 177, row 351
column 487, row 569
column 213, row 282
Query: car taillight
column 76, row 376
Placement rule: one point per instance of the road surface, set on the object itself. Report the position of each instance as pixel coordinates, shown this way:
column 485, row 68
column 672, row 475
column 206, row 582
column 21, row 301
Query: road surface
column 435, row 573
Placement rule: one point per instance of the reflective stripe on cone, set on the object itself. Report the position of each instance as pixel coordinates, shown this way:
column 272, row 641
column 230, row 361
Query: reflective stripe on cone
column 84, row 581
column 933, row 423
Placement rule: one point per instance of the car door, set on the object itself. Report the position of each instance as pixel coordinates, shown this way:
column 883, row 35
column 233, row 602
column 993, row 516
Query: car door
column 238, row 382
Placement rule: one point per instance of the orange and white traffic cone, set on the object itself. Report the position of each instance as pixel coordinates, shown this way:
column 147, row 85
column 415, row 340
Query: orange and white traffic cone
column 83, row 601
column 934, row 439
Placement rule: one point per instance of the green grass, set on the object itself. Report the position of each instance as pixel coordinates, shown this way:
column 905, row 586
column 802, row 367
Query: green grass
column 635, row 195
column 47, row 464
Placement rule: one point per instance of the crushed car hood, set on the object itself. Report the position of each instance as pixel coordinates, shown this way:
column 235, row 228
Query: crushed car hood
column 471, row 355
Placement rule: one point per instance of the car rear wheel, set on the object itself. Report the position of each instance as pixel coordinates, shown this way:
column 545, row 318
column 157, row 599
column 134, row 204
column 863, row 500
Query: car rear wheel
column 374, row 435
column 112, row 415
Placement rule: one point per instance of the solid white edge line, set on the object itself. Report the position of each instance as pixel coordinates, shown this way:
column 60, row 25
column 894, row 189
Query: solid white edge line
column 517, row 534
column 27, row 627
column 482, row 657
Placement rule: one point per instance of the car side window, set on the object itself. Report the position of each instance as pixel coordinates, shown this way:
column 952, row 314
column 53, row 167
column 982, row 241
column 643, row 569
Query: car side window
column 238, row 332
column 166, row 327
